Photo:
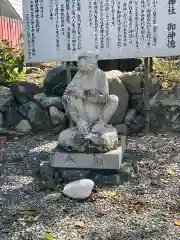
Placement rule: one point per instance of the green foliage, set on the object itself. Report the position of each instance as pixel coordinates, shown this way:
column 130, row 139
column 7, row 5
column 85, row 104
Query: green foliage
column 165, row 66
column 11, row 63
column 49, row 236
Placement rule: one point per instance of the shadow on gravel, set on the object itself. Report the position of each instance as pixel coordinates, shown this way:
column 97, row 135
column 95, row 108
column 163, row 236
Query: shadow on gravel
column 136, row 234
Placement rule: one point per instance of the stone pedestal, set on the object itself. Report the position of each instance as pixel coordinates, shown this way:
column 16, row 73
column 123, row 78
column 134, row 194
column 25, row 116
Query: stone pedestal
column 110, row 160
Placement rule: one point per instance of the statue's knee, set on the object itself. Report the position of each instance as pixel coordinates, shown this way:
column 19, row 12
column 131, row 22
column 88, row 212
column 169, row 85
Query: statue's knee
column 113, row 99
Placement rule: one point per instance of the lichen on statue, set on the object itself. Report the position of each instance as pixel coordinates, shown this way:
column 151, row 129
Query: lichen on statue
column 89, row 105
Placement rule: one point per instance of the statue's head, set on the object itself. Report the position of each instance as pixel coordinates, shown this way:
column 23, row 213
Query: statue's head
column 87, row 62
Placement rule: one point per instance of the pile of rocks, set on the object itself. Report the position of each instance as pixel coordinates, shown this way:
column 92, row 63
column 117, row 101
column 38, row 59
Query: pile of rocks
column 165, row 110
column 25, row 107
column 129, row 117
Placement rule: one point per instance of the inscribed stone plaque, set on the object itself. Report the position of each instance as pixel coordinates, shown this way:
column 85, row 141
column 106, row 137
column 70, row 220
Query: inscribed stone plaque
column 109, row 160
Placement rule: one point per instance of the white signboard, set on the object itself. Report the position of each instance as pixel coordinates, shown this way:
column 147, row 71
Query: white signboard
column 60, row 30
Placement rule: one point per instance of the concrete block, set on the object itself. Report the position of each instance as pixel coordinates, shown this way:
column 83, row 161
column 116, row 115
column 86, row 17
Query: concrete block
column 109, row 160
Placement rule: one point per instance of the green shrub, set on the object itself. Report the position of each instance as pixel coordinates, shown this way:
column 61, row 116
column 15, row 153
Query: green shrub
column 11, row 63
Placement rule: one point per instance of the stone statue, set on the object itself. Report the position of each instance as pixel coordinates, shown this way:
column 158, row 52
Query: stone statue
column 89, row 105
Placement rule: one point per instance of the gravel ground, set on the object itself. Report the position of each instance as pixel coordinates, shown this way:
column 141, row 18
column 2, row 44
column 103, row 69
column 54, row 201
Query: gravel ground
column 147, row 207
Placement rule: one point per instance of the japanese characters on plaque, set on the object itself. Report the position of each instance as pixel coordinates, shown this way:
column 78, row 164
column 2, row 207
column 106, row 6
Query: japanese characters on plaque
column 112, row 28
column 98, row 161
column 69, row 160
column 171, row 27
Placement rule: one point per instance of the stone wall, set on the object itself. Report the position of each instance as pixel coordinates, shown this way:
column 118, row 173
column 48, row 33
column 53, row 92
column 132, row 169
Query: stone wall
column 165, row 110
column 25, row 107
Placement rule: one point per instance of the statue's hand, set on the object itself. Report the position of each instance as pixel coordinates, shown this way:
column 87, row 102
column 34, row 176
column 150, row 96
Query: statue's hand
column 102, row 99
column 80, row 94
column 95, row 97
column 90, row 95
column 75, row 93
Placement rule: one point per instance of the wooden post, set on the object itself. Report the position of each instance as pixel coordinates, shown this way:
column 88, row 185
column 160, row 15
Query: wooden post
column 170, row 64
column 151, row 65
column 146, row 94
column 68, row 69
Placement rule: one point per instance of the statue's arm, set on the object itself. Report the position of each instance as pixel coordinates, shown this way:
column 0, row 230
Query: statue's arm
column 103, row 90
column 73, row 89
column 70, row 88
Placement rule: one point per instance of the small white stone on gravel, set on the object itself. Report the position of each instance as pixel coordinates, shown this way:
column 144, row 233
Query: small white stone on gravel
column 80, row 189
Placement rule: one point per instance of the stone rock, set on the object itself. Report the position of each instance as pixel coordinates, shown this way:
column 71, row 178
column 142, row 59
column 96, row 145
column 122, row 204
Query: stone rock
column 137, row 124
column 127, row 171
column 73, row 175
column 38, row 117
column 121, row 129
column 47, row 101
column 106, row 178
column 23, row 126
column 129, row 116
column 11, row 116
column 113, row 74
column 132, row 81
column 165, row 110
column 55, row 81
column 155, row 85
column 57, row 116
column 79, row 224
column 23, row 109
column 24, row 91
column 46, row 171
column 6, row 97
column 79, row 189
column 113, row 177
column 137, row 102
column 1, row 119
column 126, row 167
column 104, row 140
column 117, row 88
column 51, row 184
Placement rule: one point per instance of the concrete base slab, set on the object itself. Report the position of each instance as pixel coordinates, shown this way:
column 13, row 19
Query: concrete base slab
column 68, row 160
column 109, row 160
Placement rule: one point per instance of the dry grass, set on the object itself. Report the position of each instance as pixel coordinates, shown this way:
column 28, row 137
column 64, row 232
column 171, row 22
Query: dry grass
column 168, row 69
column 37, row 77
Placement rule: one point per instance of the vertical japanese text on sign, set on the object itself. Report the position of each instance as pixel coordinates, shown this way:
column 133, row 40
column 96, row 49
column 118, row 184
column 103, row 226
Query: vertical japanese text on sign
column 111, row 28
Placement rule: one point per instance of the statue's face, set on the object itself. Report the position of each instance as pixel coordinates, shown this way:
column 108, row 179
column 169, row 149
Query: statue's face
column 86, row 64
